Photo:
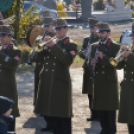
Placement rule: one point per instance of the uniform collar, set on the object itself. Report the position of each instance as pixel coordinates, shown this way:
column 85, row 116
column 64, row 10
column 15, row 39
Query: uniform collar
column 62, row 39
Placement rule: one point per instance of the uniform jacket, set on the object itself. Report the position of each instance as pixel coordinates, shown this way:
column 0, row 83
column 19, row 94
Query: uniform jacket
column 126, row 109
column 9, row 61
column 105, row 95
column 55, row 91
column 87, row 86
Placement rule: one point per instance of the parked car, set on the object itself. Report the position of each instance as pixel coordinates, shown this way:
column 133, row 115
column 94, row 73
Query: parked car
column 28, row 4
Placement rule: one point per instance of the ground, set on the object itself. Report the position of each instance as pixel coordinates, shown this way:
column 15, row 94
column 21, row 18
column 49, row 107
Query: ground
column 29, row 123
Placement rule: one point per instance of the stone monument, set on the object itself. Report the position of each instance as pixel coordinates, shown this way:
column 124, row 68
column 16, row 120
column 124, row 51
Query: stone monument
column 119, row 13
column 50, row 4
column 86, row 9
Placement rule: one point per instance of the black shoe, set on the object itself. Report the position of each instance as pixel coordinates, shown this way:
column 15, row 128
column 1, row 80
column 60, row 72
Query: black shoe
column 92, row 119
column 45, row 129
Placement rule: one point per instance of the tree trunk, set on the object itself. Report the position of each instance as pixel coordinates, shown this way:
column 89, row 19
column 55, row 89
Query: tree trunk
column 16, row 30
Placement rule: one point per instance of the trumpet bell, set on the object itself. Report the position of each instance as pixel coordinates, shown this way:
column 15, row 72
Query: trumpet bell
column 113, row 62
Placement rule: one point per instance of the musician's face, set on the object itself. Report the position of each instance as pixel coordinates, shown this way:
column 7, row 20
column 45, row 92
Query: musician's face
column 48, row 28
column 93, row 29
column 5, row 40
column 61, row 32
column 104, row 35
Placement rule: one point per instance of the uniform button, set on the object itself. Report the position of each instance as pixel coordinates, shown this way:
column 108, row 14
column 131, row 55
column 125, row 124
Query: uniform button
column 131, row 79
column 0, row 70
column 124, row 78
column 125, row 72
column 46, row 63
column 54, row 64
column 103, row 66
column 96, row 72
column 46, row 70
column 103, row 72
column 52, row 70
column 47, row 56
column 44, row 58
column 55, row 57
column 132, row 72
column 125, row 65
column 39, row 63
column 0, row 64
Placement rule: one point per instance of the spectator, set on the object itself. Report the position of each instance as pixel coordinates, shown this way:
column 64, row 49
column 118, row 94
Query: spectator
column 5, row 111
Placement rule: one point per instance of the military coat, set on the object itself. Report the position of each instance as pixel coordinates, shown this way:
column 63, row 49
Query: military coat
column 9, row 61
column 126, row 109
column 55, row 92
column 106, row 95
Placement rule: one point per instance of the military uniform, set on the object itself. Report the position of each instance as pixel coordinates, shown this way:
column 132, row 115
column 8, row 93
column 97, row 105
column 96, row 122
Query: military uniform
column 105, row 97
column 126, row 109
column 9, row 61
column 54, row 96
column 87, row 86
column 47, row 20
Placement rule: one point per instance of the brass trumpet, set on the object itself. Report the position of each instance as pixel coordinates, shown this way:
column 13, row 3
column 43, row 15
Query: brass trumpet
column 119, row 58
column 40, row 46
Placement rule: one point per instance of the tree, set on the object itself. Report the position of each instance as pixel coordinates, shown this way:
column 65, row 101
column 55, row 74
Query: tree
column 23, row 21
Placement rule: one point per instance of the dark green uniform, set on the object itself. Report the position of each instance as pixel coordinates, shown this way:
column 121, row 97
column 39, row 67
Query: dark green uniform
column 106, row 93
column 54, row 94
column 87, row 87
column 38, row 67
column 126, row 110
column 9, row 61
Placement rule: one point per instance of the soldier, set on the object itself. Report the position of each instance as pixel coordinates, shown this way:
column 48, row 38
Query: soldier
column 126, row 110
column 48, row 24
column 9, row 60
column 87, row 87
column 13, row 40
column 54, row 94
column 105, row 97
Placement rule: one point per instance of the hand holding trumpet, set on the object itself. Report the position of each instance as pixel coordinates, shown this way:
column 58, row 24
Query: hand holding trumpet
column 126, row 54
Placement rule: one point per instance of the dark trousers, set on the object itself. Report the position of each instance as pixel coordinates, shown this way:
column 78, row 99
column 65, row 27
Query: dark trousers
column 11, row 126
column 94, row 113
column 108, row 122
column 131, row 129
column 61, row 125
column 48, row 121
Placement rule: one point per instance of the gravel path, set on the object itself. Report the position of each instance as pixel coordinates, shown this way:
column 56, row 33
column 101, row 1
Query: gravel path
column 29, row 123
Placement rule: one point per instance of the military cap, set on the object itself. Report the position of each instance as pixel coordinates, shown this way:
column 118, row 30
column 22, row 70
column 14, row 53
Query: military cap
column 103, row 27
column 46, row 13
column 5, row 30
column 54, row 23
column 133, row 27
column 60, row 23
column 47, row 21
column 5, row 104
column 1, row 22
column 92, row 22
